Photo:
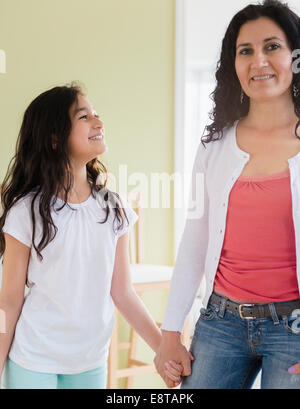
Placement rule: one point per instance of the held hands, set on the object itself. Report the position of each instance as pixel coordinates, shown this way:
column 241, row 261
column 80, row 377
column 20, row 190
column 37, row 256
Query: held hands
column 172, row 359
column 173, row 371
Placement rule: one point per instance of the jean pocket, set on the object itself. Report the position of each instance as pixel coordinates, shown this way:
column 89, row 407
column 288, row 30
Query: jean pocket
column 292, row 322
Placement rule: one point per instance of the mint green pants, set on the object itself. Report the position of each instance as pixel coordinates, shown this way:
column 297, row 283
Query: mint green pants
column 16, row 377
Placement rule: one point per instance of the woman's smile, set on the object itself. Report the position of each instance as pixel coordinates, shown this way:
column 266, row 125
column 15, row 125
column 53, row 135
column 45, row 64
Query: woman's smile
column 263, row 78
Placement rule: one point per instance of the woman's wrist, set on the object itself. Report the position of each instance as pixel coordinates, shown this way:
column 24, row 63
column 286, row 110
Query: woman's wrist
column 170, row 335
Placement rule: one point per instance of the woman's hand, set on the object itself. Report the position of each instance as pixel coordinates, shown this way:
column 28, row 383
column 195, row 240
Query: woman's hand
column 171, row 358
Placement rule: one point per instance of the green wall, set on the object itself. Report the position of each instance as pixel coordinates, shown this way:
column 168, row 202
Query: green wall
column 123, row 51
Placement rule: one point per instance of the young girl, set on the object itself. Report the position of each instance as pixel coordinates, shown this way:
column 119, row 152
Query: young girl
column 65, row 236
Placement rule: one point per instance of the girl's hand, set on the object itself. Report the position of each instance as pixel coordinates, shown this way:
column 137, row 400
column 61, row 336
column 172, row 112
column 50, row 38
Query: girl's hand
column 173, row 371
column 295, row 369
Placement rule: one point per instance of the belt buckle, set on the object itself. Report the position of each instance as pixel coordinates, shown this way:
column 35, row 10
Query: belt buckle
column 241, row 306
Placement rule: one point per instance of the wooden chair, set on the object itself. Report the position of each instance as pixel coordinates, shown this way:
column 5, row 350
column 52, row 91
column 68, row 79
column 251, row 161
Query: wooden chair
column 145, row 277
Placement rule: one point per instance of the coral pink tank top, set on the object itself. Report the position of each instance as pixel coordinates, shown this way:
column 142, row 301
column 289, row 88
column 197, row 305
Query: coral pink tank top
column 258, row 258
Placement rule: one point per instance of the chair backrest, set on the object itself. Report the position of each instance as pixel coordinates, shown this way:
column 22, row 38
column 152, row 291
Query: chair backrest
column 136, row 237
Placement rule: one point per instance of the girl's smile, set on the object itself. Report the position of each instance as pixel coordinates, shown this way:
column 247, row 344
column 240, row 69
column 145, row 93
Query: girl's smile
column 97, row 137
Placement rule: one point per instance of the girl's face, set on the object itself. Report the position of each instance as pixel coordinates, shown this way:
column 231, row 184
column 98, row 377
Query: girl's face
column 263, row 60
column 86, row 140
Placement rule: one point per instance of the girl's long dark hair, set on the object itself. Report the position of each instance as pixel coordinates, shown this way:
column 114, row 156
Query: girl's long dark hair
column 227, row 107
column 41, row 169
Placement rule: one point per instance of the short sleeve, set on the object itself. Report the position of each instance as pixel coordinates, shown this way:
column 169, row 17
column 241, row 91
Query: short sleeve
column 131, row 216
column 18, row 223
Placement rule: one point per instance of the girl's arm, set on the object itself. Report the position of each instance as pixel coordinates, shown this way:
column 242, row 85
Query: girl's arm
column 14, row 272
column 129, row 303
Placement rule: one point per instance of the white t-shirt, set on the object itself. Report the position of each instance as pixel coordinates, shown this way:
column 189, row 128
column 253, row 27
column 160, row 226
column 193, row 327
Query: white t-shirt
column 68, row 314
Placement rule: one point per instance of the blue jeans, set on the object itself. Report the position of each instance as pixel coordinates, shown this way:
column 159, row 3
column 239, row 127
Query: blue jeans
column 230, row 351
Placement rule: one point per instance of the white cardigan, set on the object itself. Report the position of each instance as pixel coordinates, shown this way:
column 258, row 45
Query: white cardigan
column 220, row 165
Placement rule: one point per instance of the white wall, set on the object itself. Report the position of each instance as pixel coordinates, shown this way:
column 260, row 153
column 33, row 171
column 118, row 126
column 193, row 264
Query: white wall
column 207, row 23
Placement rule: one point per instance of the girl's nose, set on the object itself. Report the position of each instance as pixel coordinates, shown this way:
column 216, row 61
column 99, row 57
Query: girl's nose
column 98, row 123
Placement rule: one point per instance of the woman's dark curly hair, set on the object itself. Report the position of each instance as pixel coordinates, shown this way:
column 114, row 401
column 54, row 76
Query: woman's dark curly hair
column 227, row 94
column 40, row 168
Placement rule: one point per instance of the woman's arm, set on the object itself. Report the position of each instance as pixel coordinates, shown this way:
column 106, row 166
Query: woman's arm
column 129, row 303
column 188, row 271
column 190, row 261
column 14, row 272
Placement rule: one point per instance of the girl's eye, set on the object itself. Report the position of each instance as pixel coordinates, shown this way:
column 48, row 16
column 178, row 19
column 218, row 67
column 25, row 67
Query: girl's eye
column 84, row 116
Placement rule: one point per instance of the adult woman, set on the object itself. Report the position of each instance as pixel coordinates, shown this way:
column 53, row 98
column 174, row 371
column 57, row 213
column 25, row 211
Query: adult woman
column 248, row 237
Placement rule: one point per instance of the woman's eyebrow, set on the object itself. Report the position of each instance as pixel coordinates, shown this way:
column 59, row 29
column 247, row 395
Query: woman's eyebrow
column 265, row 41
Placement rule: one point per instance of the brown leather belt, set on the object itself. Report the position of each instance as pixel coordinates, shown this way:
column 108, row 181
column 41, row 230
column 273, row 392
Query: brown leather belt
column 251, row 311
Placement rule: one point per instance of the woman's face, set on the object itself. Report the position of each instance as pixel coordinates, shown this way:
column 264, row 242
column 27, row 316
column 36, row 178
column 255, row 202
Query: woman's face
column 86, row 140
column 263, row 60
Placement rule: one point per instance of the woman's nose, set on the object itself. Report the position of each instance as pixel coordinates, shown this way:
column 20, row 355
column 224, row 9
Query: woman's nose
column 259, row 60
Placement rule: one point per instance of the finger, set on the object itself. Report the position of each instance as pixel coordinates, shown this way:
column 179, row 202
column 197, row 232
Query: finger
column 169, row 370
column 176, row 366
column 175, row 376
column 168, row 382
column 295, row 369
column 186, row 368
column 191, row 357
column 172, row 377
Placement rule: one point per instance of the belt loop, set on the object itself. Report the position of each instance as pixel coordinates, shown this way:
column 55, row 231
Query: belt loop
column 273, row 313
column 222, row 307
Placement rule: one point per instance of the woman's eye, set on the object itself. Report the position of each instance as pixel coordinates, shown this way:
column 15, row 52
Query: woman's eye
column 245, row 51
column 84, row 116
column 270, row 47
column 273, row 47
